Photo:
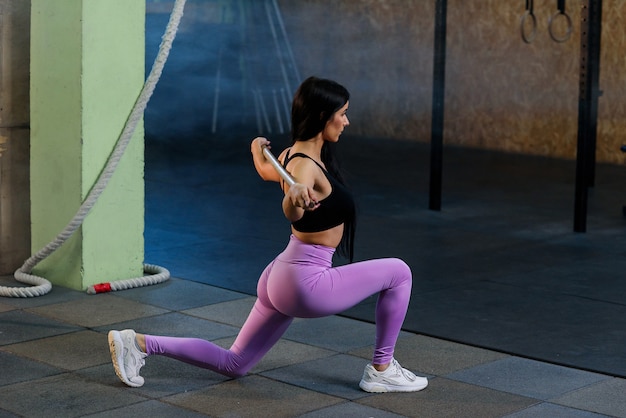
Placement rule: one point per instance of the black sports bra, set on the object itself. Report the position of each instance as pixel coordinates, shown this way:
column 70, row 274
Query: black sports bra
column 335, row 209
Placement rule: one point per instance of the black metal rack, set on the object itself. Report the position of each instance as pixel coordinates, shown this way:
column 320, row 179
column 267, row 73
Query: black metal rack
column 623, row 148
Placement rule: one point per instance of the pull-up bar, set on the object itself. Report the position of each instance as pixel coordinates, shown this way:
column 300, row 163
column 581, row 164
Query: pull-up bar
column 590, row 31
column 439, row 84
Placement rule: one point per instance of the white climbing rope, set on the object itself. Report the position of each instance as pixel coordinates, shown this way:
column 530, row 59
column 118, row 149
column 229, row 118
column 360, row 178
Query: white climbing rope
column 41, row 286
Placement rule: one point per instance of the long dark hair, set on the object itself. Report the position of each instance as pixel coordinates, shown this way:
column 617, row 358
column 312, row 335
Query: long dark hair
column 314, row 103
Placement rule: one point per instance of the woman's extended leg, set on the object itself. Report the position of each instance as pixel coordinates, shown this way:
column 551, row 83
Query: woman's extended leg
column 262, row 329
column 260, row 332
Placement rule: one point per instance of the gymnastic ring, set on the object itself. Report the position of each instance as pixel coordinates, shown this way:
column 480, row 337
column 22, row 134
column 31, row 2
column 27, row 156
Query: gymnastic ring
column 568, row 33
column 533, row 33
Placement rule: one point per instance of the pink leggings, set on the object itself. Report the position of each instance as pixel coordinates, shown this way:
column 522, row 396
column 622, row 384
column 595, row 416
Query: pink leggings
column 302, row 283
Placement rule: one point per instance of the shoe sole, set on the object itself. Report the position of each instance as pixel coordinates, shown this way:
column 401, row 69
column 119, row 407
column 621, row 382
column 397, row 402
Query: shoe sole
column 116, row 347
column 378, row 388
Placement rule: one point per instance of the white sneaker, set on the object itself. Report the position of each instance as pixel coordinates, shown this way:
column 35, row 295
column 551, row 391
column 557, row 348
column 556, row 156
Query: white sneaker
column 394, row 379
column 127, row 358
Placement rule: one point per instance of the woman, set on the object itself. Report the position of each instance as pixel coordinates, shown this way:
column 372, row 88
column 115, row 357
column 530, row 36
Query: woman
column 301, row 281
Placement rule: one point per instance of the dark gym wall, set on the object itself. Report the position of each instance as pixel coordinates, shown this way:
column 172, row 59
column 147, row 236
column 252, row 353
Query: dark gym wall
column 501, row 93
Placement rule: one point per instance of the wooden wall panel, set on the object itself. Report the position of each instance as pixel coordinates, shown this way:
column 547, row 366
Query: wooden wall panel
column 612, row 106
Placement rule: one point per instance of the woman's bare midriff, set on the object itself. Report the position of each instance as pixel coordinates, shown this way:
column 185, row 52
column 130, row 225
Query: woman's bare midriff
column 329, row 238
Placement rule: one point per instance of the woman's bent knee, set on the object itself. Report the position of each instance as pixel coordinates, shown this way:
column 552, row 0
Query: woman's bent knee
column 401, row 270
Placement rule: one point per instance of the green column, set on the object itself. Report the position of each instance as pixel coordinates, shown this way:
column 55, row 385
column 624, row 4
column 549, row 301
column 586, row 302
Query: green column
column 87, row 69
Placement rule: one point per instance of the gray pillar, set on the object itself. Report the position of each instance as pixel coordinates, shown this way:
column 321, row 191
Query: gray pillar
column 14, row 134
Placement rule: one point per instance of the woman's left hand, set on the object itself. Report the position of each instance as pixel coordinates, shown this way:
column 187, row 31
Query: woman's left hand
column 262, row 165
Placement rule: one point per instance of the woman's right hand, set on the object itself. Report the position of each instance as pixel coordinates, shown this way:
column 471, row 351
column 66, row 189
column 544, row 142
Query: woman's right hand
column 302, row 196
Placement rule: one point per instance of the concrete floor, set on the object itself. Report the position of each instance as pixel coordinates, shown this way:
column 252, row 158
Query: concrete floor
column 55, row 362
